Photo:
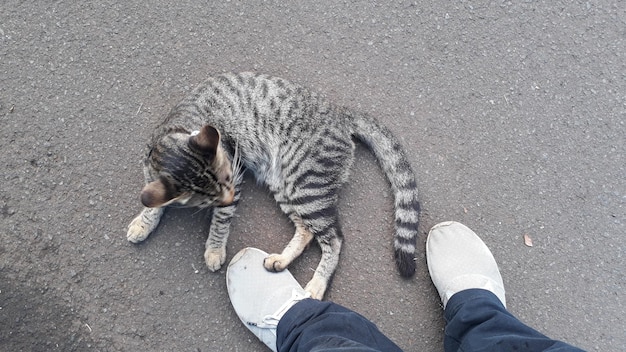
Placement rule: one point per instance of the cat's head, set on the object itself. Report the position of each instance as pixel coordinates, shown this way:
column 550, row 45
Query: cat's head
column 192, row 170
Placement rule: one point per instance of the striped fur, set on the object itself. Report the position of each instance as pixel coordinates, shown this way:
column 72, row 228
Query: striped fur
column 295, row 142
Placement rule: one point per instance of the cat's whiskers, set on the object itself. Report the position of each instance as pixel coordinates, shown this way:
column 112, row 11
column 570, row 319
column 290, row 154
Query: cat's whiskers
column 236, row 165
column 199, row 210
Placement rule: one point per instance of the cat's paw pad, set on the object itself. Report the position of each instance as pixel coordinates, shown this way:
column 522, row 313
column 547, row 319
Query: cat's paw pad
column 316, row 287
column 214, row 258
column 137, row 230
column 275, row 262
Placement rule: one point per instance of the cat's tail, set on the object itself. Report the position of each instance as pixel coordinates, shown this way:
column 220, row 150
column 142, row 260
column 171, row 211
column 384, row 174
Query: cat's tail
column 392, row 158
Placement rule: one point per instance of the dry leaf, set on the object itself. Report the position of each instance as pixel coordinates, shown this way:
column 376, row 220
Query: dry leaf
column 528, row 241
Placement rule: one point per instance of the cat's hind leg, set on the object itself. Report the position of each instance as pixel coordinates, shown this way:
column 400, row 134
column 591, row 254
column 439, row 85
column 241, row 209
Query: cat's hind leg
column 142, row 226
column 331, row 247
column 323, row 226
column 300, row 240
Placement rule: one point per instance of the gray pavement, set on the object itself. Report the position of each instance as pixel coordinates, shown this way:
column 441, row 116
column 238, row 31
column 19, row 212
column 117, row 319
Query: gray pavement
column 512, row 113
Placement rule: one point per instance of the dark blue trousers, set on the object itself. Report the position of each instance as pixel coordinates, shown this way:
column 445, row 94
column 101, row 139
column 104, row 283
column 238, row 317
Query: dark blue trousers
column 475, row 321
column 312, row 325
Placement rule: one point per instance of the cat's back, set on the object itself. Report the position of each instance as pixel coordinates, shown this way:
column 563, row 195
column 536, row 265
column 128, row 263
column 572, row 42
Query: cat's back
column 258, row 97
column 246, row 88
column 242, row 85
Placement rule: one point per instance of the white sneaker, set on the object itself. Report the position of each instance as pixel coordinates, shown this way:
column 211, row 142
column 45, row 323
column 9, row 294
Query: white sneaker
column 261, row 298
column 459, row 260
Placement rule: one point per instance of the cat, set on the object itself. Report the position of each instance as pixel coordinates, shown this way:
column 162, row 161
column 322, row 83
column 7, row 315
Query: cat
column 295, row 143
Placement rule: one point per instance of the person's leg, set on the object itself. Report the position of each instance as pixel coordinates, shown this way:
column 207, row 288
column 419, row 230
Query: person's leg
column 468, row 280
column 476, row 320
column 276, row 309
column 313, row 325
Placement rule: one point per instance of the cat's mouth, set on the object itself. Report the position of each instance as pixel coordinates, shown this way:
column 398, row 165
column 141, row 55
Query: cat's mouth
column 186, row 201
column 228, row 196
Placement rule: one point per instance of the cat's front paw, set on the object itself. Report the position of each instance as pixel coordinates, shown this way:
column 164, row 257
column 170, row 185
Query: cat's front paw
column 138, row 230
column 214, row 258
column 316, row 287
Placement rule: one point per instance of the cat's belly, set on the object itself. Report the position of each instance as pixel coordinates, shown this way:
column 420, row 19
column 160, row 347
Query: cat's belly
column 267, row 169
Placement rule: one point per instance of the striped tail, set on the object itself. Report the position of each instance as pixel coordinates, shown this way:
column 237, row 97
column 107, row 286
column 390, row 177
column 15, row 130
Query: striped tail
column 392, row 159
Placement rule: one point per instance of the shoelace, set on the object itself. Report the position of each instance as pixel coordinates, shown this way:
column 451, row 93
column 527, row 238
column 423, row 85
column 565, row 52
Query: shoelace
column 271, row 321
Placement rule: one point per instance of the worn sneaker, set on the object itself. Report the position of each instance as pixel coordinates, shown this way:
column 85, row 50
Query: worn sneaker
column 260, row 297
column 459, row 260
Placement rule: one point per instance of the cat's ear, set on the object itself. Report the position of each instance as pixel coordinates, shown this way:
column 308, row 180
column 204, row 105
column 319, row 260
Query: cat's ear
column 156, row 194
column 206, row 141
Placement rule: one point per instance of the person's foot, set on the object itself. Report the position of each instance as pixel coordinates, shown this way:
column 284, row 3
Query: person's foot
column 260, row 297
column 459, row 260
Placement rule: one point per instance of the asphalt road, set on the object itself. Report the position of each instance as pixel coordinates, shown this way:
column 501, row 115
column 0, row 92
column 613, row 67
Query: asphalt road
column 512, row 113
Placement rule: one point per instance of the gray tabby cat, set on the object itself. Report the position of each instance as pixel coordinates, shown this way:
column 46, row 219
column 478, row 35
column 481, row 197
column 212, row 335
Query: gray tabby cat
column 295, row 142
